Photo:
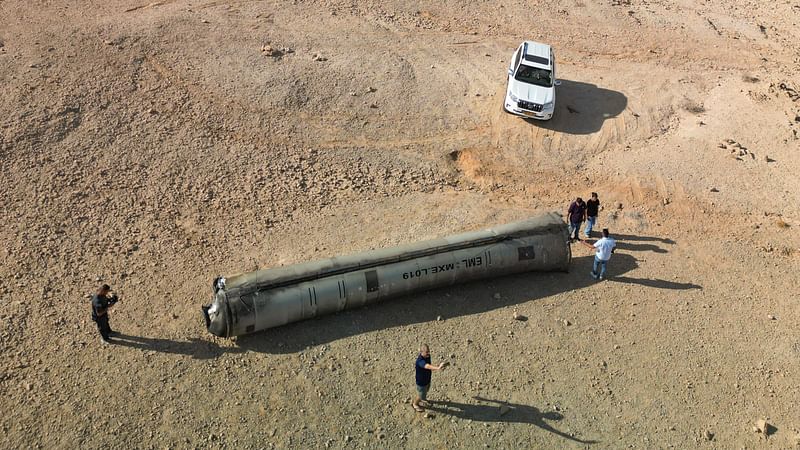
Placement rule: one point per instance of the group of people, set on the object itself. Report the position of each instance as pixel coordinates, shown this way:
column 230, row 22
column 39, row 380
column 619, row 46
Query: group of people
column 580, row 211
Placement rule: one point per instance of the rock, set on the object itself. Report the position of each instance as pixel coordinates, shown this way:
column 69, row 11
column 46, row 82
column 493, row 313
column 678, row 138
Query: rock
column 348, row 438
column 763, row 427
column 618, row 205
column 708, row 435
column 381, row 435
column 771, row 317
column 665, row 201
column 429, row 415
column 205, row 21
column 713, row 189
column 318, row 57
column 497, row 296
column 567, row 322
column 520, row 317
column 438, row 318
column 371, row 89
column 267, row 50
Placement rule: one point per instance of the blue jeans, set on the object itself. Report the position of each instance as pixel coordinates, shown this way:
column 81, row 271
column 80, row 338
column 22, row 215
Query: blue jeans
column 590, row 221
column 602, row 264
column 574, row 229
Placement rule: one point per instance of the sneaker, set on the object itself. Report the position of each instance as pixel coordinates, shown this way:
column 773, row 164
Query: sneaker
column 594, row 275
column 600, row 278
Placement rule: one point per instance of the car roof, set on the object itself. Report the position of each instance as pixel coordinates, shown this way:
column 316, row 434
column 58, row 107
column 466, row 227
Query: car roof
column 536, row 54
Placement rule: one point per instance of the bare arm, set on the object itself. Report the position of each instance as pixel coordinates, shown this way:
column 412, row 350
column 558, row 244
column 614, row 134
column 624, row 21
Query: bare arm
column 588, row 245
column 432, row 367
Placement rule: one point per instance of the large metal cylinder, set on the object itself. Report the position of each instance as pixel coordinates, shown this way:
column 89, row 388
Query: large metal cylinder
column 255, row 301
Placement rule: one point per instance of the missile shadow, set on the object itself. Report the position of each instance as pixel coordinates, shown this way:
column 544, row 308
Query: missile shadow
column 461, row 300
column 500, row 411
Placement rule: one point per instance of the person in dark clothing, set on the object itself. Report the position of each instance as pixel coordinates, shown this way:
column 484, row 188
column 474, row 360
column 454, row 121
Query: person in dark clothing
column 101, row 302
column 424, row 370
column 592, row 208
column 576, row 214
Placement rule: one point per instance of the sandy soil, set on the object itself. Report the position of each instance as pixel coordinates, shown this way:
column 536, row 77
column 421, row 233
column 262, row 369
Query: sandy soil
column 156, row 145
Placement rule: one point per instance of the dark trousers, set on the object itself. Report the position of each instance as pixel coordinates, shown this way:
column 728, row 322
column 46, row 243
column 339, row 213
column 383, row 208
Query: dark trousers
column 103, row 327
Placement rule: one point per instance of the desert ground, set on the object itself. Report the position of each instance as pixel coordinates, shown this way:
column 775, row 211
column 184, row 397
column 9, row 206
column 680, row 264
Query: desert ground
column 156, row 145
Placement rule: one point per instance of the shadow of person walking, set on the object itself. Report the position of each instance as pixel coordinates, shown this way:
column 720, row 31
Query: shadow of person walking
column 196, row 348
column 500, row 411
column 655, row 283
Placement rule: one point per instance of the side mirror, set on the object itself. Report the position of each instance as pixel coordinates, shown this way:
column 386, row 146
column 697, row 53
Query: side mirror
column 557, row 83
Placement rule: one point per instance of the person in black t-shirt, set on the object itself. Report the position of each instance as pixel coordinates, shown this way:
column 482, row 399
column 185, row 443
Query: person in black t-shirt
column 424, row 370
column 576, row 215
column 101, row 302
column 592, row 207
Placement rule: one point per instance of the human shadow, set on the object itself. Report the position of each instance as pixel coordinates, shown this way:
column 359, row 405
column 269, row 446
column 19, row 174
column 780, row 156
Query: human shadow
column 453, row 301
column 639, row 238
column 660, row 284
column 196, row 348
column 581, row 108
column 500, row 411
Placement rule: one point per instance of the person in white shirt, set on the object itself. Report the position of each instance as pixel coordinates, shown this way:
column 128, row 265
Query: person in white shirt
column 604, row 247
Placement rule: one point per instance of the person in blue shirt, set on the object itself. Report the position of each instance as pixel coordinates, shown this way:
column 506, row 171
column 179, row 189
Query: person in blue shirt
column 424, row 370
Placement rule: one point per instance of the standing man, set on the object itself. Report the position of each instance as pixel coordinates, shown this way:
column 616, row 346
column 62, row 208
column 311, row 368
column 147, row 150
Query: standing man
column 576, row 213
column 592, row 207
column 604, row 247
column 424, row 370
column 101, row 302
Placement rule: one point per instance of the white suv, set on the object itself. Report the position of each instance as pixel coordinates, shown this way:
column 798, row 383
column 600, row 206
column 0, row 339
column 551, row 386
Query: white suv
column 531, row 90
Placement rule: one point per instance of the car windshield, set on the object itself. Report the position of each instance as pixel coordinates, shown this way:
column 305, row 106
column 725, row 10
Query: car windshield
column 533, row 75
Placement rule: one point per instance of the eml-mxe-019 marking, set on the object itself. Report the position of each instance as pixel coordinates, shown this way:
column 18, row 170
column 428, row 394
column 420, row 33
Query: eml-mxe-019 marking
column 469, row 262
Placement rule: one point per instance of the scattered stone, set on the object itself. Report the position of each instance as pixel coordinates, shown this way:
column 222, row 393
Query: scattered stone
column 520, row 317
column 763, row 427
column 618, row 205
column 713, row 189
column 269, row 51
column 438, row 318
column 373, row 105
column 771, row 317
column 371, row 90
column 348, row 438
column 666, row 201
column 108, row 42
column 318, row 57
column 381, row 435
column 205, row 21
column 708, row 435
column 429, row 415
column 567, row 322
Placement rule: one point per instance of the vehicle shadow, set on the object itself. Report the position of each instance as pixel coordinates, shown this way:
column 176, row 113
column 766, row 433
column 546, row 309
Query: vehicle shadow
column 581, row 108
column 454, row 301
column 196, row 348
column 500, row 411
